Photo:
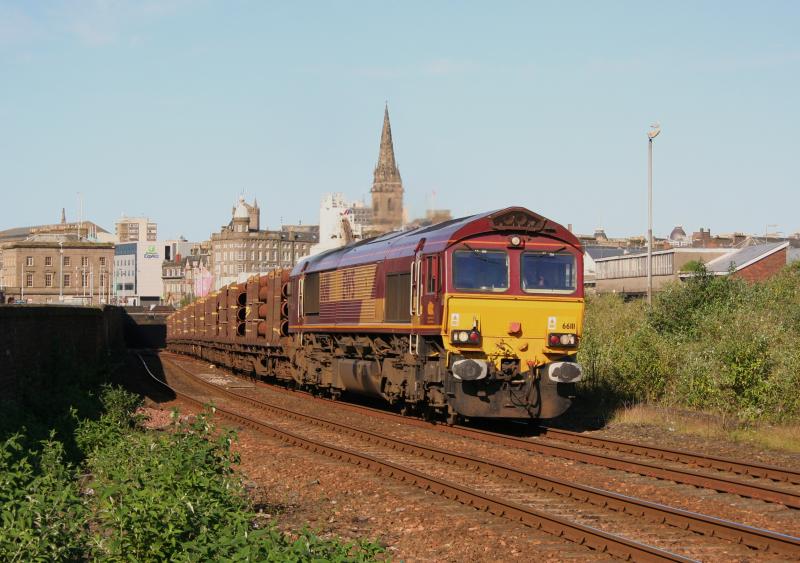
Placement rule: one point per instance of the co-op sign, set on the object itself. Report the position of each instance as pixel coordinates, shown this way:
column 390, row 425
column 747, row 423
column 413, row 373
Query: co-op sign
column 151, row 252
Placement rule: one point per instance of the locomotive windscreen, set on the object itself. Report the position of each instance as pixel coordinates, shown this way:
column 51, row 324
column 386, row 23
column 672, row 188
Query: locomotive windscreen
column 548, row 272
column 480, row 270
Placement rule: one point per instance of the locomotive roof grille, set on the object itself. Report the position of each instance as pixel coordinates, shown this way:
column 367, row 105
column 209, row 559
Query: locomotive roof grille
column 518, row 219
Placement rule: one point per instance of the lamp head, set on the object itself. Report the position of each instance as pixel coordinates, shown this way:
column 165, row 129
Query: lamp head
column 655, row 129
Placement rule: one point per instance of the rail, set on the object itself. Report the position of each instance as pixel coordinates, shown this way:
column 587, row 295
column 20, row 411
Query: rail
column 752, row 537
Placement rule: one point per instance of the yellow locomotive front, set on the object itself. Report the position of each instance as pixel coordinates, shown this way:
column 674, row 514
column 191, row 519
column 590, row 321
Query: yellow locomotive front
column 511, row 324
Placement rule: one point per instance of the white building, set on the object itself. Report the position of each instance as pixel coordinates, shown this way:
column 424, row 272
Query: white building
column 136, row 229
column 137, row 272
column 336, row 218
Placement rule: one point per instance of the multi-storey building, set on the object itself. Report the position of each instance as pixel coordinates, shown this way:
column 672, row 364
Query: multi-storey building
column 238, row 250
column 187, row 275
column 387, row 186
column 138, row 271
column 136, row 229
column 57, row 268
column 77, row 230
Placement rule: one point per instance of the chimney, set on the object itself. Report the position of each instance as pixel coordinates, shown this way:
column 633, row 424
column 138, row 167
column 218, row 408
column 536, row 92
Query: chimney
column 569, row 227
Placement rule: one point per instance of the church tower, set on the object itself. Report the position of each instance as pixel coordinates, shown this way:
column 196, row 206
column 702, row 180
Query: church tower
column 387, row 186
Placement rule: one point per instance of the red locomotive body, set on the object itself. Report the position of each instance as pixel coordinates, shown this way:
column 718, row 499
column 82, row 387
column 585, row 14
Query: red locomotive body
column 479, row 317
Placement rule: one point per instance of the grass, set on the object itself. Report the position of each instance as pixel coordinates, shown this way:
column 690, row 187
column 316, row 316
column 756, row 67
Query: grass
column 710, row 426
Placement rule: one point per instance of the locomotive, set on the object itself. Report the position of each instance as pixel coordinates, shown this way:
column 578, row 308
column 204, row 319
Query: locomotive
column 476, row 317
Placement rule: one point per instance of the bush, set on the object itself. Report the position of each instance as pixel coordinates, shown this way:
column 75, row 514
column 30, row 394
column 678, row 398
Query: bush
column 44, row 517
column 712, row 342
column 141, row 496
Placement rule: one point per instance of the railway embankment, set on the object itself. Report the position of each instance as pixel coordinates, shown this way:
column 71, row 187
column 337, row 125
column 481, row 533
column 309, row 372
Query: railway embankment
column 711, row 348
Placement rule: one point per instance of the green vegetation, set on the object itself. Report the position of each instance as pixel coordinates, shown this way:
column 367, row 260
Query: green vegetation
column 126, row 494
column 714, row 343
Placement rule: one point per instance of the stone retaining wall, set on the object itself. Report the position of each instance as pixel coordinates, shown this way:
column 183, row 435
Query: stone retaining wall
column 60, row 339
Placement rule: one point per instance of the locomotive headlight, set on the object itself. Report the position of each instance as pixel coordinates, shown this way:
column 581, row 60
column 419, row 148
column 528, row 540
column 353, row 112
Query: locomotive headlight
column 466, row 337
column 567, row 339
column 514, row 241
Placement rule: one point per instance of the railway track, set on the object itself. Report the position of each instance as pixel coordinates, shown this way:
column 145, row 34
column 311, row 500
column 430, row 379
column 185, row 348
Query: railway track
column 521, row 491
column 760, row 483
column 755, row 470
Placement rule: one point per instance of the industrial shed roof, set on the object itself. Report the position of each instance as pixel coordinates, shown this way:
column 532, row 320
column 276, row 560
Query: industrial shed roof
column 743, row 257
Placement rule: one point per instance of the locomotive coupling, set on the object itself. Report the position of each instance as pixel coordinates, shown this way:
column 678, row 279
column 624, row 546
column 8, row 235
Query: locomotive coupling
column 563, row 372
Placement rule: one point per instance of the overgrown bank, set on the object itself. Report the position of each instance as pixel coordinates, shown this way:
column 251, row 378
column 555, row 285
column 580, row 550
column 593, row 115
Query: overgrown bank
column 712, row 343
column 102, row 488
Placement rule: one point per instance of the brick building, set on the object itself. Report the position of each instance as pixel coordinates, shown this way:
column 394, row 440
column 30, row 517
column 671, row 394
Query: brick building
column 57, row 268
column 755, row 263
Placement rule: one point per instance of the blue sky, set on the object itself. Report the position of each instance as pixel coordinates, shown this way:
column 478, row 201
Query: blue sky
column 172, row 108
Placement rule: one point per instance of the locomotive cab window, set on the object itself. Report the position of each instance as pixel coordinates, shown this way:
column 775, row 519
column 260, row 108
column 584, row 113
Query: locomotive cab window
column 480, row 270
column 548, row 272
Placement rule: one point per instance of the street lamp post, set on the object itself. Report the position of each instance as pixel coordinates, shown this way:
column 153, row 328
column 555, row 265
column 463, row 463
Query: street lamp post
column 655, row 129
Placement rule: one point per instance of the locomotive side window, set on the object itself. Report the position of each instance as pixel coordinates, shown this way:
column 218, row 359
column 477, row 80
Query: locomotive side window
column 480, row 270
column 398, row 297
column 548, row 272
column 311, row 294
column 431, row 274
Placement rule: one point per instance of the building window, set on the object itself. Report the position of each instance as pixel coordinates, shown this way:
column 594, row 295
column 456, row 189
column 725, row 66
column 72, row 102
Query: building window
column 29, row 261
column 66, row 261
column 48, row 280
column 66, row 280
column 28, row 280
column 48, row 260
column 84, row 279
column 102, row 260
column 84, row 260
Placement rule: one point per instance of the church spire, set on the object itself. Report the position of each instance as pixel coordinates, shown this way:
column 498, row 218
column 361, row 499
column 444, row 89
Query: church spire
column 387, row 186
column 63, row 216
column 386, row 169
